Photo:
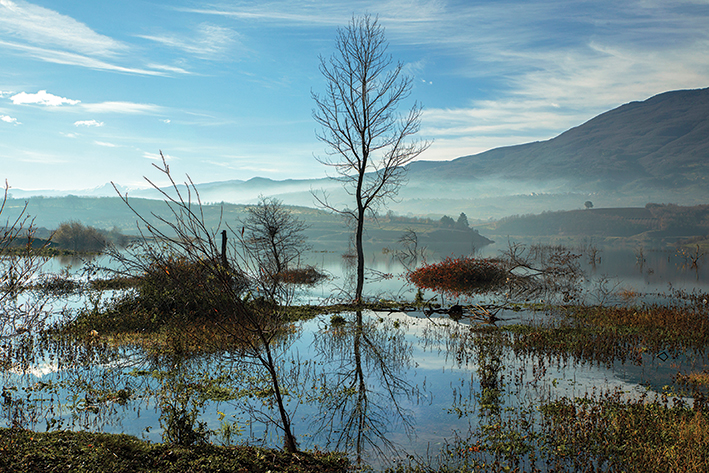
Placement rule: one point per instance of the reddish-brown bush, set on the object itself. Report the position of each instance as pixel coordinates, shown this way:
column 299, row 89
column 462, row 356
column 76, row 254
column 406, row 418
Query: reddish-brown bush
column 305, row 276
column 460, row 276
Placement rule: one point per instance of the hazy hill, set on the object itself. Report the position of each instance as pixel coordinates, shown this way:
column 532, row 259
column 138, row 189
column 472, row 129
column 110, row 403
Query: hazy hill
column 651, row 151
column 325, row 232
column 663, row 140
column 660, row 223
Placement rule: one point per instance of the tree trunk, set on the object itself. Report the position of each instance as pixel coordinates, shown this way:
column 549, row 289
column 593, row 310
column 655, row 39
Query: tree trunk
column 361, row 389
column 289, row 443
column 360, row 257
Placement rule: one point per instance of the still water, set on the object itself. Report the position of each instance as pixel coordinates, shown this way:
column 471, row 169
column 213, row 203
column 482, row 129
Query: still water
column 416, row 384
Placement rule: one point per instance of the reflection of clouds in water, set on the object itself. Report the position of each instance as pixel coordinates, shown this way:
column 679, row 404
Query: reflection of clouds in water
column 40, row 370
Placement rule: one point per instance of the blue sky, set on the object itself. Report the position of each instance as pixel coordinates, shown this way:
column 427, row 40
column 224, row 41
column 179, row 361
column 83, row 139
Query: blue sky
column 91, row 91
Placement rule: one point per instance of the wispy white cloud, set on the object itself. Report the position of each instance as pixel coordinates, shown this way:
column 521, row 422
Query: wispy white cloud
column 156, row 156
column 501, row 117
column 42, row 98
column 206, row 41
column 8, row 119
column 315, row 14
column 88, row 123
column 40, row 157
column 122, row 107
column 106, row 144
column 166, row 68
column 49, row 36
column 74, row 59
column 44, row 27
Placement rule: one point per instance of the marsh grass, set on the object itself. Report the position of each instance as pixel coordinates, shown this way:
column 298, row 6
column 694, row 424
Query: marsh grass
column 609, row 334
column 77, row 452
column 649, row 433
column 603, row 430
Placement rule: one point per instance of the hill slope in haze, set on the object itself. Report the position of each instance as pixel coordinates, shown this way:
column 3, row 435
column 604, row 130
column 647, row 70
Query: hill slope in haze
column 656, row 150
column 664, row 140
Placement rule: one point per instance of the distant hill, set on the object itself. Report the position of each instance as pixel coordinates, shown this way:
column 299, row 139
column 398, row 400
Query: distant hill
column 666, row 223
column 325, row 231
column 663, row 140
column 656, row 150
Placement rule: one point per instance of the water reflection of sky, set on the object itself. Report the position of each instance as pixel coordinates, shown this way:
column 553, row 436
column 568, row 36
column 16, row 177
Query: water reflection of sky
column 439, row 383
column 632, row 269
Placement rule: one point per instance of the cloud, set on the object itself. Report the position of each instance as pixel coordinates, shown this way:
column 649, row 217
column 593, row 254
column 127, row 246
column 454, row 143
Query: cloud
column 73, row 59
column 303, row 14
column 106, row 144
column 44, row 27
column 206, row 42
column 88, row 123
column 40, row 157
column 41, row 98
column 8, row 119
column 166, row 120
column 156, row 156
column 122, row 107
column 52, row 37
column 163, row 67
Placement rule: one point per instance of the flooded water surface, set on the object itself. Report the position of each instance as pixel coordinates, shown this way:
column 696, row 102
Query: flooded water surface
column 381, row 385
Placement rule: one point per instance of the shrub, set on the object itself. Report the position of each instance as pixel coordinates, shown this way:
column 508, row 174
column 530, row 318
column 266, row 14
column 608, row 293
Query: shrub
column 176, row 288
column 307, row 276
column 77, row 237
column 462, row 275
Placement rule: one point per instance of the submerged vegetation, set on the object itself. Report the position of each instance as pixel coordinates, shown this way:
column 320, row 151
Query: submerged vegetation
column 195, row 323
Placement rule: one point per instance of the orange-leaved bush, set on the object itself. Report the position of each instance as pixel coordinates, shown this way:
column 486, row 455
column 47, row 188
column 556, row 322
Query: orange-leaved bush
column 464, row 275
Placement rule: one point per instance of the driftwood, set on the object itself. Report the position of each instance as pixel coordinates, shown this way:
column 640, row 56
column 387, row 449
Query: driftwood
column 479, row 312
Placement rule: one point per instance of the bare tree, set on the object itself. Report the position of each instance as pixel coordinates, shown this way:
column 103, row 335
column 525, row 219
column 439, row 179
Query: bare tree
column 368, row 140
column 542, row 270
column 274, row 238
column 410, row 253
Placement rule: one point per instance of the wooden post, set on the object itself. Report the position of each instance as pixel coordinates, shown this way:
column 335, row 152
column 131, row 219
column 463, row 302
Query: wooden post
column 224, row 261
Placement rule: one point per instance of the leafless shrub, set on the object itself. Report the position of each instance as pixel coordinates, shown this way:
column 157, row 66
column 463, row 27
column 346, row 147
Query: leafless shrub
column 22, row 310
column 226, row 274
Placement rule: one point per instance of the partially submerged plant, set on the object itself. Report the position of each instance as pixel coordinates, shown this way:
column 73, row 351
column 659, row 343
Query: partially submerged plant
column 461, row 276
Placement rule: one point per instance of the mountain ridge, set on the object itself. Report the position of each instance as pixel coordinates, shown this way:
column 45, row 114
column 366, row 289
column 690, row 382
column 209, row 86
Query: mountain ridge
column 664, row 139
column 655, row 150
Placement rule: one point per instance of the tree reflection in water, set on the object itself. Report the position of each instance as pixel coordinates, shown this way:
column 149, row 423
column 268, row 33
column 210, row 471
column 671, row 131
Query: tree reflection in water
column 363, row 385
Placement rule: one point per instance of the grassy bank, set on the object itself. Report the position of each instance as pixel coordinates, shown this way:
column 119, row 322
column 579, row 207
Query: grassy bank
column 76, row 452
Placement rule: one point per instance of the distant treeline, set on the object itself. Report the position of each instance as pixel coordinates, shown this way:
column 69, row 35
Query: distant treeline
column 72, row 237
column 444, row 222
column 326, row 230
column 665, row 219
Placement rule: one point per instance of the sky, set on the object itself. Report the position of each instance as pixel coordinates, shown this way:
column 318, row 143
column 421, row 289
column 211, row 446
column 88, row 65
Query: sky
column 91, row 92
